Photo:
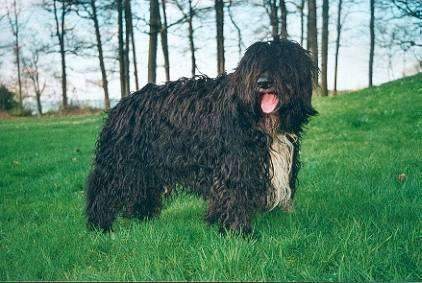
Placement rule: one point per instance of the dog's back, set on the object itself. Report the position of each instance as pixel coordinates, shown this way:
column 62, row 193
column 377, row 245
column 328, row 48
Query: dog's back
column 173, row 127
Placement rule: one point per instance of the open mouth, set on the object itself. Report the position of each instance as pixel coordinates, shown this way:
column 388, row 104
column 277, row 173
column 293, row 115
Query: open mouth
column 268, row 95
column 269, row 101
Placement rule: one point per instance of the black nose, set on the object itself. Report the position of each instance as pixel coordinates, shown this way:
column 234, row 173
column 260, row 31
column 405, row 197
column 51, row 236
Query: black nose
column 264, row 81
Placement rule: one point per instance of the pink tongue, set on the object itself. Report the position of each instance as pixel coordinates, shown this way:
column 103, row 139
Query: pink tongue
column 269, row 102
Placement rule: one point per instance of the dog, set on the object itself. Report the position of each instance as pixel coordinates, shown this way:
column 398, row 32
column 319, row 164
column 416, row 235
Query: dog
column 233, row 139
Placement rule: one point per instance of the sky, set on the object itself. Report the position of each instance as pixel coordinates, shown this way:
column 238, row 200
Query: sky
column 84, row 72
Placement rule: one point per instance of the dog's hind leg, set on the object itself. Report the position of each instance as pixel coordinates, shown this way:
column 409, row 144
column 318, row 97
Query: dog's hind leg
column 102, row 206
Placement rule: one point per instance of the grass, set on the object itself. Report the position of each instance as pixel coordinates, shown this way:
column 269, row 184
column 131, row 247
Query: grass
column 358, row 209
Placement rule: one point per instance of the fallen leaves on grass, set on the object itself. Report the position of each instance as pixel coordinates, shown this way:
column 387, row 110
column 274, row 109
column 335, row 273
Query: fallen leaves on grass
column 401, row 178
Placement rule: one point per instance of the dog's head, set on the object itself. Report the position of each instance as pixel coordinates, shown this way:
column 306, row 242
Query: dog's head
column 274, row 81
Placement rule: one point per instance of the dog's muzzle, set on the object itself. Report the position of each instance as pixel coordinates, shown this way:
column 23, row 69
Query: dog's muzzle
column 264, row 81
column 269, row 99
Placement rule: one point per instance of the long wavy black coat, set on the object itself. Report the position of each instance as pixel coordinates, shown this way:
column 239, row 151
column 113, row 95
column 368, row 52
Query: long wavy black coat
column 209, row 135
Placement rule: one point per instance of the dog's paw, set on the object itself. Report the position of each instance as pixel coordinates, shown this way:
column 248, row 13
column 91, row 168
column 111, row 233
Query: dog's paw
column 236, row 227
column 288, row 206
column 247, row 234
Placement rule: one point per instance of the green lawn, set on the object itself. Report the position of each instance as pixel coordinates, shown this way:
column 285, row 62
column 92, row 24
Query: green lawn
column 358, row 210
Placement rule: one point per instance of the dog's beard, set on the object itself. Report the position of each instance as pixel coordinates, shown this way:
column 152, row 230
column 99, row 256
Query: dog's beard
column 281, row 158
column 281, row 161
column 270, row 123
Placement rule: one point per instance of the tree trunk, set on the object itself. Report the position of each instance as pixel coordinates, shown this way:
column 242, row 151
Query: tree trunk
column 39, row 106
column 191, row 37
column 15, row 29
column 239, row 31
column 126, row 50
column 312, row 38
column 302, row 22
column 324, row 47
column 38, row 90
column 154, row 24
column 340, row 3
column 64, row 77
column 372, row 43
column 32, row 71
column 123, row 88
column 164, row 41
column 219, row 12
column 100, row 55
column 273, row 19
column 132, row 37
column 60, row 32
column 34, row 76
column 283, row 16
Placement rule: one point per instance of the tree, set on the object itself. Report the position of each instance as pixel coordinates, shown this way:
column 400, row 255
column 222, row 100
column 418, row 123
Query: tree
column 13, row 17
column 343, row 10
column 312, row 39
column 94, row 18
column 91, row 9
column 271, row 8
column 411, row 8
column 124, row 88
column 324, row 47
column 126, row 50
column 404, row 25
column 164, row 41
column 238, row 30
column 125, row 38
column 189, row 15
column 132, row 37
column 278, row 25
column 191, row 42
column 301, row 9
column 283, row 16
column 61, row 9
column 154, row 27
column 67, row 41
column 219, row 12
column 338, row 35
column 372, row 40
column 32, row 71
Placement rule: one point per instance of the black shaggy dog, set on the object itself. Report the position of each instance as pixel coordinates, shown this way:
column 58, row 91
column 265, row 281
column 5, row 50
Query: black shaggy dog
column 233, row 139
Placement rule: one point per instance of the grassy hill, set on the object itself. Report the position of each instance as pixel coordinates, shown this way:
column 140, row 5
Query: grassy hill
column 358, row 208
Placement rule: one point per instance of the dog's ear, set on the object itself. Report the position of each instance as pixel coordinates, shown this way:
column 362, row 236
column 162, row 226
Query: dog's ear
column 308, row 78
column 302, row 76
column 297, row 65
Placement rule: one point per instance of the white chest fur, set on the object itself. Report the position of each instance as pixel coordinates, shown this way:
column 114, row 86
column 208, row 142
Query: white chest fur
column 281, row 153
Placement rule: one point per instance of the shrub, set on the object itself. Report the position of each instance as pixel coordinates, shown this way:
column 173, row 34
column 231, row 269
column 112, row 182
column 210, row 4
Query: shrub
column 6, row 98
column 17, row 111
column 75, row 109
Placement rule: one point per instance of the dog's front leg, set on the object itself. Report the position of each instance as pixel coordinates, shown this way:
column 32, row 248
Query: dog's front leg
column 227, row 208
column 236, row 194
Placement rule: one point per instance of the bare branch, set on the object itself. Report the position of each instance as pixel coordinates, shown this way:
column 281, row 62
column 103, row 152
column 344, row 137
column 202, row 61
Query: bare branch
column 239, row 32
